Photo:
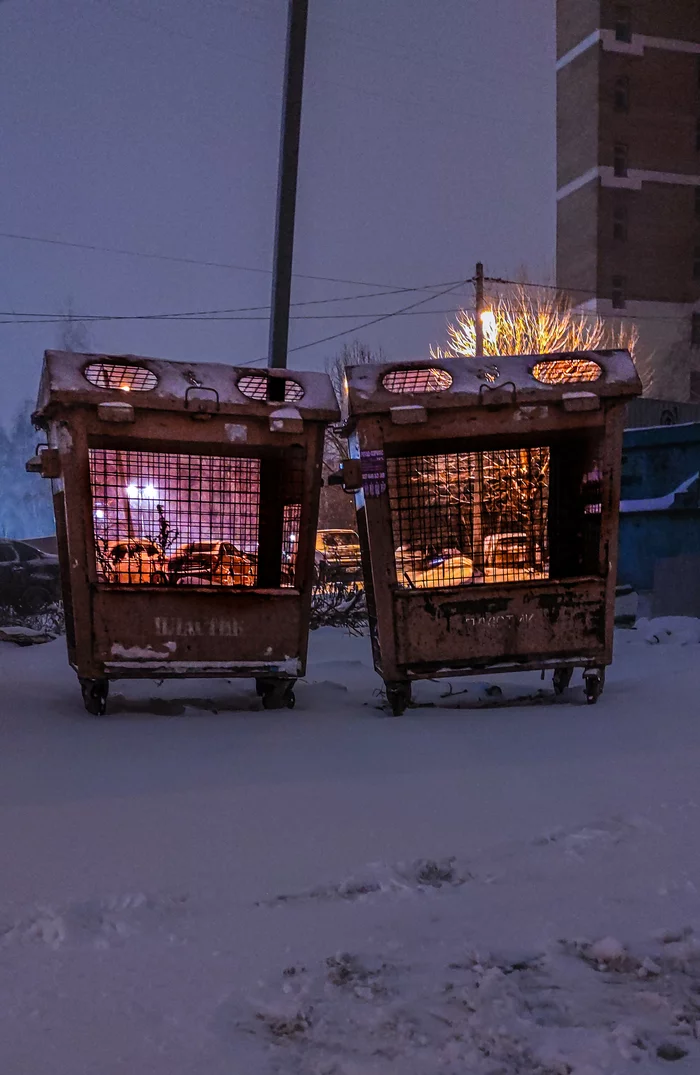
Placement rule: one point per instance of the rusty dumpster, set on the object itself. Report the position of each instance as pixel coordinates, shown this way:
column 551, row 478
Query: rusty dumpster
column 487, row 495
column 186, row 503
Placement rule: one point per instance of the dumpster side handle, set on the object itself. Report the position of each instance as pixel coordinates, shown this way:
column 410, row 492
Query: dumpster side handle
column 45, row 461
column 349, row 476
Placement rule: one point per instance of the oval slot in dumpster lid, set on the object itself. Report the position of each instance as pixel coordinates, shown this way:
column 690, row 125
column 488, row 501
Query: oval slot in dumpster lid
column 122, row 376
column 566, row 369
column 417, row 379
column 257, row 386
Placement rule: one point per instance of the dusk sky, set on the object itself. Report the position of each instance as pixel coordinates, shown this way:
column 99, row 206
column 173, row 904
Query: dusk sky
column 428, row 143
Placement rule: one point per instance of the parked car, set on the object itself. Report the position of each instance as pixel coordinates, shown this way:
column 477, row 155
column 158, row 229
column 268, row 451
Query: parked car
column 509, row 558
column 135, row 562
column 337, row 555
column 217, row 562
column 29, row 578
column 420, row 570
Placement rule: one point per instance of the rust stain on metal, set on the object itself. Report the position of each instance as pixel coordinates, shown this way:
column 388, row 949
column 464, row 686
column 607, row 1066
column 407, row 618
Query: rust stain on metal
column 465, row 609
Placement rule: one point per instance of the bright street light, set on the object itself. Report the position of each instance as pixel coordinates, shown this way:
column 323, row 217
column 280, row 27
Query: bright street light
column 488, row 321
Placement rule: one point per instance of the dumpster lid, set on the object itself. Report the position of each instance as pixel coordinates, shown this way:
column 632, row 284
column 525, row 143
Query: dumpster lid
column 468, row 382
column 70, row 379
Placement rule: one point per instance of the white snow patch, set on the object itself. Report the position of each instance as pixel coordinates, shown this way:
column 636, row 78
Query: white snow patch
column 675, row 630
column 146, row 653
column 530, row 906
column 659, row 503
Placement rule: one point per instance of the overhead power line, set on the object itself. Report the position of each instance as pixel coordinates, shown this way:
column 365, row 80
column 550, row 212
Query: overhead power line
column 202, row 314
column 298, row 317
column 376, row 320
column 260, row 313
column 354, row 328
column 546, row 287
column 186, row 261
column 614, row 315
column 366, row 324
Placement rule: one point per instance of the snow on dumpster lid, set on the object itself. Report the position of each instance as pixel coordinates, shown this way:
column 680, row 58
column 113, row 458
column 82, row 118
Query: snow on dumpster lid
column 530, row 378
column 660, row 503
column 70, row 379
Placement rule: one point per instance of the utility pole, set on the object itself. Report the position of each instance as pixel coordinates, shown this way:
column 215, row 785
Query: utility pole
column 287, row 184
column 478, row 476
column 478, row 323
column 272, row 499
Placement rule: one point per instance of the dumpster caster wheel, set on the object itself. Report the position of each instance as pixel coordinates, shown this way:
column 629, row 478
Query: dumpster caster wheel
column 398, row 695
column 594, row 681
column 95, row 693
column 561, row 679
column 276, row 693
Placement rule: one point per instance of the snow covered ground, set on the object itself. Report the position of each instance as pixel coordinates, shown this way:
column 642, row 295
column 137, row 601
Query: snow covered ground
column 194, row 885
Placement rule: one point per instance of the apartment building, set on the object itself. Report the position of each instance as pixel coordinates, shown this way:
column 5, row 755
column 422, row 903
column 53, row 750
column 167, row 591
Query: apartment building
column 628, row 175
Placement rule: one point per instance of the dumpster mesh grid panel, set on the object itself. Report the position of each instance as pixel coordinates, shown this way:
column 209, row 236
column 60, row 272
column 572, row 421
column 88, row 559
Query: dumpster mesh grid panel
column 258, row 386
column 470, row 517
column 291, row 520
column 563, row 370
column 162, row 518
column 417, row 379
column 507, row 515
column 120, row 375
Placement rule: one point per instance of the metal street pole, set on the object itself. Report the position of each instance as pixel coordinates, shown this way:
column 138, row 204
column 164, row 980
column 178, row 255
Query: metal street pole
column 478, row 323
column 287, row 183
column 478, row 477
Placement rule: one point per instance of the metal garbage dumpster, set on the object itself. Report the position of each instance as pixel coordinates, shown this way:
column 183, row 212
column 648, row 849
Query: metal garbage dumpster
column 186, row 504
column 487, row 497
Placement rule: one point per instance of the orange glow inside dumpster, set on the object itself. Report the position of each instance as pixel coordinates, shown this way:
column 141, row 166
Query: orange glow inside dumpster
column 481, row 517
column 174, row 519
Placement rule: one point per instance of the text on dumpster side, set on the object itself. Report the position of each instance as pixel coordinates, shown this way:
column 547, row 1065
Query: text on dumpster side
column 211, row 626
column 509, row 619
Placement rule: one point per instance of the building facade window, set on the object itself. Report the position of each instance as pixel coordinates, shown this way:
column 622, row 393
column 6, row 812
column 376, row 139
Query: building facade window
column 620, row 159
column 620, row 223
column 695, row 330
column 623, row 23
column 618, row 292
column 621, row 96
column 696, row 263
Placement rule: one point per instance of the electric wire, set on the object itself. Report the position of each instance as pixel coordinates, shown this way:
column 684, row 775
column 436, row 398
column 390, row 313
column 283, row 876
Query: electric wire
column 374, row 321
column 186, row 261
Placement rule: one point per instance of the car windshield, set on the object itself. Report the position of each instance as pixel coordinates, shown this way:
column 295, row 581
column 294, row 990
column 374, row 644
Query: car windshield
column 133, row 551
column 28, row 552
column 342, row 539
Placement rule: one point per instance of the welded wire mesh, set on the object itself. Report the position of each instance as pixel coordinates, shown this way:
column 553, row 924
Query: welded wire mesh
column 464, row 518
column 291, row 521
column 563, row 370
column 175, row 519
column 258, row 386
column 120, row 375
column 417, row 379
column 496, row 516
